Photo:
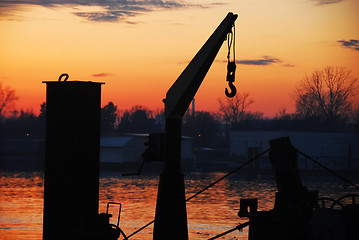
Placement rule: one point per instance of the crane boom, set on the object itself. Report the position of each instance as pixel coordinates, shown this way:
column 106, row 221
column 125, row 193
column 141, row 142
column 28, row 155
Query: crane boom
column 181, row 93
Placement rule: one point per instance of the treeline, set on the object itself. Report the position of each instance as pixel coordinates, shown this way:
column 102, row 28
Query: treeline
column 26, row 124
column 206, row 129
column 23, row 124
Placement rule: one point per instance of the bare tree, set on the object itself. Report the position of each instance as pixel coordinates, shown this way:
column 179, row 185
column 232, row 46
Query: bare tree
column 282, row 114
column 7, row 99
column 233, row 110
column 326, row 94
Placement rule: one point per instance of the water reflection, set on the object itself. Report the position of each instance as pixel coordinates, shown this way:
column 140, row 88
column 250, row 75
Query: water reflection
column 21, row 203
column 210, row 213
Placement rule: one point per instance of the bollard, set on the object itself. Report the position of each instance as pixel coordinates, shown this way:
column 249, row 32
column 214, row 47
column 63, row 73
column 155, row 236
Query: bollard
column 71, row 189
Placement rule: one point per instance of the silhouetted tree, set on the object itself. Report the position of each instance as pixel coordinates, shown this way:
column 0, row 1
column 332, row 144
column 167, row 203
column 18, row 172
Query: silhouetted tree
column 42, row 113
column 204, row 128
column 40, row 123
column 138, row 120
column 283, row 115
column 326, row 94
column 234, row 111
column 7, row 99
column 281, row 121
column 108, row 117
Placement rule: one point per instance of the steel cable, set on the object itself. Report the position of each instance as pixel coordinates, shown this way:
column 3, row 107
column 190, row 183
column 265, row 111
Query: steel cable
column 209, row 186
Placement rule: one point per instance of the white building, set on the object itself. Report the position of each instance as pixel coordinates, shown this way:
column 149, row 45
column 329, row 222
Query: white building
column 117, row 149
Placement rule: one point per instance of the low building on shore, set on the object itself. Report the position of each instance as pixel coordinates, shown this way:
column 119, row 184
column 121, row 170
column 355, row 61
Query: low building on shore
column 337, row 151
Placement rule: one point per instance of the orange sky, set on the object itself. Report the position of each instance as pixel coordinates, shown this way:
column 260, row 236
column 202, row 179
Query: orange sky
column 140, row 48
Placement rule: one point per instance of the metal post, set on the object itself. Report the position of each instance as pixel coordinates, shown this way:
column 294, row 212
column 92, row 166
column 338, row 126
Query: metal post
column 72, row 156
column 171, row 214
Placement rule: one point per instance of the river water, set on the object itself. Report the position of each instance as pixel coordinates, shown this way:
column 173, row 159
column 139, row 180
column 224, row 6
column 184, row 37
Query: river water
column 210, row 213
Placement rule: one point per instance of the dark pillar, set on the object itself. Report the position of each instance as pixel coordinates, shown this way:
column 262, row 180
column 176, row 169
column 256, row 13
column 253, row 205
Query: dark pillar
column 72, row 156
column 253, row 167
column 171, row 214
column 349, row 161
column 293, row 203
column 283, row 157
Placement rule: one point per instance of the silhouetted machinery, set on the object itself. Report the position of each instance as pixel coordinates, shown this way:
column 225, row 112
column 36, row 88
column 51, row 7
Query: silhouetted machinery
column 299, row 213
column 155, row 148
column 98, row 227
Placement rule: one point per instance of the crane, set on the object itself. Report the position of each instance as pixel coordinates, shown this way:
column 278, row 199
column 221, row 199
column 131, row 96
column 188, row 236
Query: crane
column 171, row 215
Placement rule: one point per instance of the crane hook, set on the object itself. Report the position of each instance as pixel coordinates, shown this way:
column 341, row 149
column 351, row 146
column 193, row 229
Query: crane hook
column 233, row 90
column 231, row 69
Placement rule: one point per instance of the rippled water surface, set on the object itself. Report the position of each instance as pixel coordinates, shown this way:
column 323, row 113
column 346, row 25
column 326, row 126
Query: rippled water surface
column 210, row 213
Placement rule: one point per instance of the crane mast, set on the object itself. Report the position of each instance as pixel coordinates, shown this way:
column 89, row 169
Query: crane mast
column 171, row 215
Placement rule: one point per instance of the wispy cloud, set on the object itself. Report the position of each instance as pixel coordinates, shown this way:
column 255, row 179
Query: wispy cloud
column 288, row 65
column 327, row 2
column 105, row 16
column 104, row 10
column 352, row 44
column 102, row 74
column 265, row 60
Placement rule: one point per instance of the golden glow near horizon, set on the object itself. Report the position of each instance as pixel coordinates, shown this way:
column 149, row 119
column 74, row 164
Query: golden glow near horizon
column 139, row 50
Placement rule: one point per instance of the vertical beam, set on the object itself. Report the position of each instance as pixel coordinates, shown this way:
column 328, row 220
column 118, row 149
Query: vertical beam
column 283, row 157
column 72, row 156
column 293, row 203
column 171, row 213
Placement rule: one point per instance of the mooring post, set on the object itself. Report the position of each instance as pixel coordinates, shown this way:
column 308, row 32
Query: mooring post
column 283, row 157
column 293, row 204
column 71, row 188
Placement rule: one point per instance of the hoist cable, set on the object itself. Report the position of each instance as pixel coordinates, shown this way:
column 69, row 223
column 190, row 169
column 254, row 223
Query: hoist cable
column 228, row 174
column 234, row 42
column 231, row 43
column 328, row 169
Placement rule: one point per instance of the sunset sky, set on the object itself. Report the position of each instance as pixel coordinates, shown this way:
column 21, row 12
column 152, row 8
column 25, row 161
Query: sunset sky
column 139, row 48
